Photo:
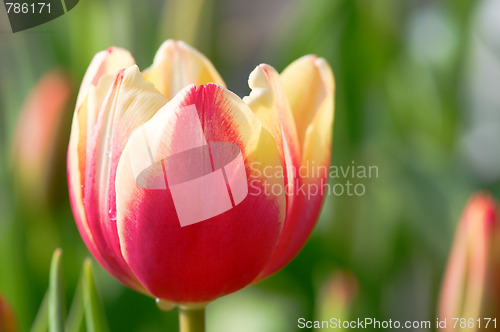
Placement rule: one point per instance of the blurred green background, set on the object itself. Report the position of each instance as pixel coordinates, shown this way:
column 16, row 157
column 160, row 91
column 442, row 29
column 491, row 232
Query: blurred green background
column 416, row 96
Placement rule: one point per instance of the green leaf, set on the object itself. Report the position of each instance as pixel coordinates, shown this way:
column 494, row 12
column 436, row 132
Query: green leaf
column 56, row 294
column 41, row 323
column 94, row 314
column 74, row 323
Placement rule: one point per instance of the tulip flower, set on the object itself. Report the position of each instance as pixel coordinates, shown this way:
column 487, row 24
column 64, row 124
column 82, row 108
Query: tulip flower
column 169, row 171
column 470, row 288
column 36, row 143
column 7, row 317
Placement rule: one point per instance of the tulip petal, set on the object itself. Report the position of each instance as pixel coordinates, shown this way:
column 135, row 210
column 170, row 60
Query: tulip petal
column 76, row 164
column 207, row 148
column 108, row 62
column 177, row 65
column 102, row 70
column 269, row 102
column 309, row 86
column 127, row 103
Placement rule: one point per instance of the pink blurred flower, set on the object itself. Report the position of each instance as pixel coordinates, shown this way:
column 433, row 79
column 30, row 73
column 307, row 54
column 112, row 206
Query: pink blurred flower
column 470, row 287
column 336, row 296
column 37, row 142
column 7, row 317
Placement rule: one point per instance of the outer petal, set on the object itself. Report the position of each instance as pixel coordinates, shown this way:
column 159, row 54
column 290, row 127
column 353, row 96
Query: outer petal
column 104, row 63
column 268, row 100
column 103, row 70
column 125, row 104
column 309, row 86
column 217, row 256
column 176, row 65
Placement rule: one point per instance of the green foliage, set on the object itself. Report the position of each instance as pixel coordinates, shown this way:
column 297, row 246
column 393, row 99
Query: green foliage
column 95, row 318
column 86, row 312
column 56, row 295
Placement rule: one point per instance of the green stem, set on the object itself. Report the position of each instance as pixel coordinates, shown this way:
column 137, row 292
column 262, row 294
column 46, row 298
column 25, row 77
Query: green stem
column 192, row 319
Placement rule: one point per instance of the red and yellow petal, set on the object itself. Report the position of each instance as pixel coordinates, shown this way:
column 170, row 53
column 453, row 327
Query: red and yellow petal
column 177, row 65
column 108, row 62
column 104, row 67
column 199, row 261
column 94, row 154
column 309, row 87
column 268, row 101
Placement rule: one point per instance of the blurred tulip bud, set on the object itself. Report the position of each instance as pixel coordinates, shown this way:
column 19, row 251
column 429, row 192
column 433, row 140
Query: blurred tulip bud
column 40, row 138
column 471, row 287
column 172, row 177
column 335, row 299
column 7, row 317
